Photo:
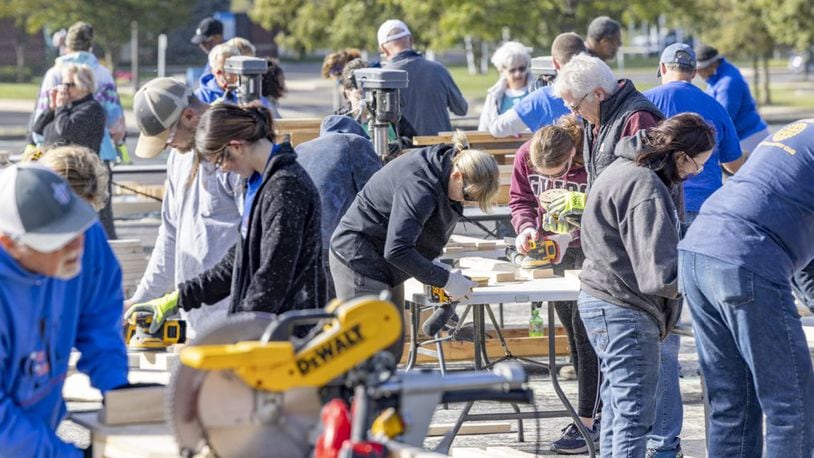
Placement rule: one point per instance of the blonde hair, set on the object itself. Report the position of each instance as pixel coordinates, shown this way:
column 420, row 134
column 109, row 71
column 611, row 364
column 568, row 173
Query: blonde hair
column 83, row 75
column 219, row 54
column 81, row 168
column 244, row 46
column 479, row 169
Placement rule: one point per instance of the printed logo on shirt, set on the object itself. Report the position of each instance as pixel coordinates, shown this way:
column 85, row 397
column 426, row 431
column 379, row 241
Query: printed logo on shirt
column 790, row 131
column 540, row 184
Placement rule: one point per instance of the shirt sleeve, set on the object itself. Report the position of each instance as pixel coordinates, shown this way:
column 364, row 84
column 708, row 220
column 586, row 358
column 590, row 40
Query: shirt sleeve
column 159, row 277
column 508, row 123
column 639, row 120
column 21, row 434
column 411, row 208
column 522, row 201
column 455, row 100
column 729, row 147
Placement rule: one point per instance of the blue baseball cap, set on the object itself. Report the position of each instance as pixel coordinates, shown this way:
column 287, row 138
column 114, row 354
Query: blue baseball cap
column 678, row 53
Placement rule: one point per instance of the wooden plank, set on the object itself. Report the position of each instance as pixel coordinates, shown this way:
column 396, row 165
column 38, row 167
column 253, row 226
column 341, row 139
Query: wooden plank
column 533, row 274
column 399, row 450
column 133, row 405
column 297, row 123
column 154, row 361
column 148, row 440
column 480, row 244
column 486, row 264
column 492, row 278
column 519, row 346
column 468, row 429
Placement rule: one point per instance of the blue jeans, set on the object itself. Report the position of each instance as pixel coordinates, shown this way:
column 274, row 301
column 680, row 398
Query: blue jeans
column 626, row 341
column 755, row 360
column 669, row 407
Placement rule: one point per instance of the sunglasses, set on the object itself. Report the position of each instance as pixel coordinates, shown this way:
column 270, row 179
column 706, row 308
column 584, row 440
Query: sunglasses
column 522, row 69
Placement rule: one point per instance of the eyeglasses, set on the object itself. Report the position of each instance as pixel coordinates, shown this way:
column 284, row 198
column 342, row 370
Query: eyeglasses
column 698, row 167
column 575, row 108
column 562, row 172
column 69, row 84
column 521, row 69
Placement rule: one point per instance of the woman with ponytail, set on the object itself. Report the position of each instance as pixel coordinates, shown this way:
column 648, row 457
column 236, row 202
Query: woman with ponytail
column 277, row 264
column 629, row 300
column 402, row 219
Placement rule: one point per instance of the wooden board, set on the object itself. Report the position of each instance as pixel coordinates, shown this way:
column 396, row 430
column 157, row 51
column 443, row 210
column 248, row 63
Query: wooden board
column 480, row 244
column 468, row 429
column 533, row 274
column 150, row 361
column 492, row 278
column 519, row 346
column 133, row 405
column 399, row 450
column 152, row 440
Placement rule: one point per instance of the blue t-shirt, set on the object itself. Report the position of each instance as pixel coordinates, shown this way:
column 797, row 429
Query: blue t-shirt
column 540, row 108
column 510, row 99
column 729, row 88
column 763, row 217
column 683, row 97
column 252, row 185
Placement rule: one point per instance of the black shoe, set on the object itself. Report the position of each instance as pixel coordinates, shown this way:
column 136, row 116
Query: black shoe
column 437, row 320
column 571, row 441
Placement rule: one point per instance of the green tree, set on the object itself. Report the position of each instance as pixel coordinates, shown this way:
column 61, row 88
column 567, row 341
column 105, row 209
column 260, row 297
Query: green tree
column 791, row 22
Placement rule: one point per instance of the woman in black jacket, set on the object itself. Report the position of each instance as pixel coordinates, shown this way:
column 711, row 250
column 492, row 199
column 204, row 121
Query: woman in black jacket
column 402, row 219
column 277, row 264
column 73, row 115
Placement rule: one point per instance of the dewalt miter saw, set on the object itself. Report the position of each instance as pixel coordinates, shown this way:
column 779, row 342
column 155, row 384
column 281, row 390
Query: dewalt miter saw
column 248, row 387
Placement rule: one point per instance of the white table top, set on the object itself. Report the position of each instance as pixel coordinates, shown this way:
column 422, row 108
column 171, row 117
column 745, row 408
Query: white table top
column 540, row 290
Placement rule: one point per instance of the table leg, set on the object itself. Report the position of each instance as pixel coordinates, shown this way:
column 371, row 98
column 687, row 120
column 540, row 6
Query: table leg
column 479, row 337
column 415, row 318
column 552, row 361
column 446, row 442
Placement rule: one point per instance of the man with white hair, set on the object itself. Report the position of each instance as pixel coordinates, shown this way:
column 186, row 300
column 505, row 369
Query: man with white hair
column 430, row 90
column 60, row 288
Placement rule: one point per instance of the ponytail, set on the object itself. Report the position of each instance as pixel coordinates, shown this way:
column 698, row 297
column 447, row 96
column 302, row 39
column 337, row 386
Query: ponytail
column 479, row 169
column 685, row 133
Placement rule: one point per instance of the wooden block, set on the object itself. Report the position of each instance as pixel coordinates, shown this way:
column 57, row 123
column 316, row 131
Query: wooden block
column 492, row 265
column 533, row 274
column 480, row 244
column 491, row 278
column 133, row 405
column 468, row 429
column 454, row 249
column 154, row 361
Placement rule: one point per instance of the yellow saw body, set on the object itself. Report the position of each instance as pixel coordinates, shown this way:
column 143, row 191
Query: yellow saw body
column 360, row 328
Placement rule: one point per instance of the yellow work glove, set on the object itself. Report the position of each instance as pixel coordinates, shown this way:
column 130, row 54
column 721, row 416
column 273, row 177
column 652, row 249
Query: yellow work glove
column 551, row 223
column 569, row 204
column 159, row 308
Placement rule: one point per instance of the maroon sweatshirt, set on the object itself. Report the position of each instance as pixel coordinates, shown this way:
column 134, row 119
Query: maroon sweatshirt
column 527, row 185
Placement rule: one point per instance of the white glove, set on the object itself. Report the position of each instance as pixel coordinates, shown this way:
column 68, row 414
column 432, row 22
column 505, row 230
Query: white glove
column 458, row 286
column 522, row 240
column 562, row 241
column 442, row 265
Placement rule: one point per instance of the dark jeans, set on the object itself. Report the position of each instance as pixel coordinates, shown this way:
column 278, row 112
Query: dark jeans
column 754, row 357
column 350, row 284
column 583, row 355
column 106, row 213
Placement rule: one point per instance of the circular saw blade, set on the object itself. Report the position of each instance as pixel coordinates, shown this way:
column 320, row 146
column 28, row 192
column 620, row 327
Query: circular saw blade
column 216, row 409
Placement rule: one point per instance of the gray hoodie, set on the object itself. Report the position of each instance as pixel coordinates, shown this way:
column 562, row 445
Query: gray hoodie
column 630, row 234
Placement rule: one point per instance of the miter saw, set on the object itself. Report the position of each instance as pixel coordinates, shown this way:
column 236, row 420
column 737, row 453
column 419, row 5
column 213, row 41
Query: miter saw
column 248, row 387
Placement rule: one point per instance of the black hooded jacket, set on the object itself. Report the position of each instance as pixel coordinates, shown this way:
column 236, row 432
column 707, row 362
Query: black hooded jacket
column 401, row 220
column 278, row 266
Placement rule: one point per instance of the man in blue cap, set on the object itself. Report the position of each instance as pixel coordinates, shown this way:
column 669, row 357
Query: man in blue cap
column 677, row 94
column 727, row 85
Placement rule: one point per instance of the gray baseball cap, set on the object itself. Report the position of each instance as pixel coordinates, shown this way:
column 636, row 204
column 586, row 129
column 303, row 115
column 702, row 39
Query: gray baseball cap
column 678, row 53
column 158, row 106
column 39, row 210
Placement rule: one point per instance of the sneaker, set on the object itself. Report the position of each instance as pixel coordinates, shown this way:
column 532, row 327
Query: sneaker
column 571, row 441
column 653, row 453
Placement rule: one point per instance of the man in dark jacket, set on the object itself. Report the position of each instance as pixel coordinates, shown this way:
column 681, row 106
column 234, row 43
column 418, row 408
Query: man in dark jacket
column 339, row 162
column 431, row 89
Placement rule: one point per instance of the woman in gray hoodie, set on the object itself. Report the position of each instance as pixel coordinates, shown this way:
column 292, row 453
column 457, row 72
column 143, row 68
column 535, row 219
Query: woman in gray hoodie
column 629, row 299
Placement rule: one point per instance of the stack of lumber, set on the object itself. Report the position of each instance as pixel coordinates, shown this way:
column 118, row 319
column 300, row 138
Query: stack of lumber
column 488, row 271
column 131, row 257
column 463, row 244
column 296, row 130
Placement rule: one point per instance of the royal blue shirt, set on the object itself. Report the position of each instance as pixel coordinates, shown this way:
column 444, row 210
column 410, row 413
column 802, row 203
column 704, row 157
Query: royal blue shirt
column 731, row 90
column 763, row 217
column 683, row 97
column 540, row 108
column 252, row 185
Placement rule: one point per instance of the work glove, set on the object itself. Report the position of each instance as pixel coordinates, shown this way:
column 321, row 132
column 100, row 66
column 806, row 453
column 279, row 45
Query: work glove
column 550, row 223
column 521, row 243
column 458, row 287
column 160, row 308
column 569, row 204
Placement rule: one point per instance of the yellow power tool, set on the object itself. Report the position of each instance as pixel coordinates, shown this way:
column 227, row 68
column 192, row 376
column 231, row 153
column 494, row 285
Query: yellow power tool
column 540, row 254
column 138, row 337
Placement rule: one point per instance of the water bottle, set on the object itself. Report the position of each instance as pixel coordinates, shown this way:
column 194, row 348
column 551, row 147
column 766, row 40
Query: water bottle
column 536, row 324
